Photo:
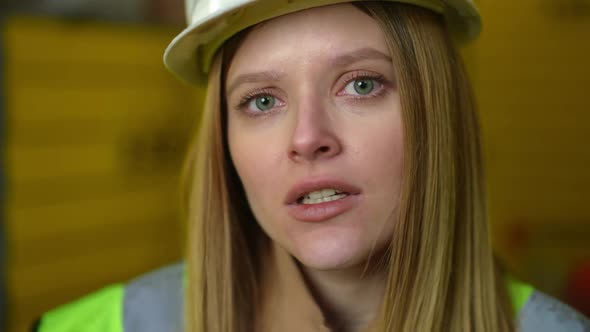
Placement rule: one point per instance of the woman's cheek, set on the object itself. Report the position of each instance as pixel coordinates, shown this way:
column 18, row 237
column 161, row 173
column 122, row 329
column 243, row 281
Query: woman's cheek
column 252, row 160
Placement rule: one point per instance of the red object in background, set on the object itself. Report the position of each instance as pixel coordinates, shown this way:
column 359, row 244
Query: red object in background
column 578, row 288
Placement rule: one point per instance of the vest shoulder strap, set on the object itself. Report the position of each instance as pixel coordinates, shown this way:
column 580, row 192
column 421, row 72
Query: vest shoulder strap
column 538, row 312
column 519, row 294
column 101, row 311
column 150, row 303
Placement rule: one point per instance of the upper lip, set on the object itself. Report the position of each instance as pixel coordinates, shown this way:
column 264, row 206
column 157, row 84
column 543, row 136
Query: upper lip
column 308, row 185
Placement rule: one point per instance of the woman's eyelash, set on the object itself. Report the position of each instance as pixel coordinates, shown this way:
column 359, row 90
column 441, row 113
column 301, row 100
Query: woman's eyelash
column 367, row 76
column 373, row 76
column 247, row 98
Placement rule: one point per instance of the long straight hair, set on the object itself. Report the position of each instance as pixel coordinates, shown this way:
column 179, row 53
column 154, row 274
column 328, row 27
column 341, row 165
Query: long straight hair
column 441, row 270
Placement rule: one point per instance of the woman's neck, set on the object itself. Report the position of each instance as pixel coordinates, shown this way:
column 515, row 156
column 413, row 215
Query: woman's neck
column 350, row 299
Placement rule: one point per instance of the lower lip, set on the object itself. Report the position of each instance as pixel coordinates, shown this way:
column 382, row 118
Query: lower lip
column 322, row 211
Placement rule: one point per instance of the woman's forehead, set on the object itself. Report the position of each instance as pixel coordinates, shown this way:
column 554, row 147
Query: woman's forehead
column 323, row 34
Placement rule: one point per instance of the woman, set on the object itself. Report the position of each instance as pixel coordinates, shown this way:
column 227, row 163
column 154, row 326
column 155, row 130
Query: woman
column 336, row 184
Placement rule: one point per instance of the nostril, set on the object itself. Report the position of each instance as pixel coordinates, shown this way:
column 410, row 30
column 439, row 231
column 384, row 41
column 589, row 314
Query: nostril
column 293, row 154
column 310, row 150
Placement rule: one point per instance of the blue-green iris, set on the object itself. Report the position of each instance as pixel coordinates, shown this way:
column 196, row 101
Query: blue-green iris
column 265, row 103
column 364, row 86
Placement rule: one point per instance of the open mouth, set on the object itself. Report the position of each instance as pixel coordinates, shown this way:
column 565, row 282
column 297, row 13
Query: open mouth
column 321, row 199
column 321, row 196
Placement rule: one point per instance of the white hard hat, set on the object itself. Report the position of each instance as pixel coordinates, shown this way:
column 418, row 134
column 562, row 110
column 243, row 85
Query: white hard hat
column 212, row 22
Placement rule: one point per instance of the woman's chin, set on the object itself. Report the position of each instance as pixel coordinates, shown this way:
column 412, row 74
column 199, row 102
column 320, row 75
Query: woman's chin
column 329, row 254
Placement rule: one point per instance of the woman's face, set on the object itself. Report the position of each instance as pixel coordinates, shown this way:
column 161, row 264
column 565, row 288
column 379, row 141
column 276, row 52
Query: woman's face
column 315, row 133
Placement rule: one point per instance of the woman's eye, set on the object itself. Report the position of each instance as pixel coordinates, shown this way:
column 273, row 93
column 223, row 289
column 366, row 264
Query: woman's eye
column 262, row 103
column 363, row 86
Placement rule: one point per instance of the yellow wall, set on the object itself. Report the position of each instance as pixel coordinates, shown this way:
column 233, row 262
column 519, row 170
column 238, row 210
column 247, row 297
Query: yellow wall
column 96, row 132
column 531, row 73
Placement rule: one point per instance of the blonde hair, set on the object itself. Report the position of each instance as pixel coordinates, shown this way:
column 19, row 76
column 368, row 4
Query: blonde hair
column 442, row 275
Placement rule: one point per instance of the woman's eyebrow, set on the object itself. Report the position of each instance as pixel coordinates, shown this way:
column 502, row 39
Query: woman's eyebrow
column 263, row 76
column 365, row 53
column 342, row 60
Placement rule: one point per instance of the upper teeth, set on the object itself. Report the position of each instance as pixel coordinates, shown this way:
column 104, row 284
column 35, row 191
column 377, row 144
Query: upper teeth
column 322, row 193
column 321, row 196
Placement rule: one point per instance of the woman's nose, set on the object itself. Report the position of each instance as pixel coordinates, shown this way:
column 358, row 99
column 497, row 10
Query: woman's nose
column 314, row 137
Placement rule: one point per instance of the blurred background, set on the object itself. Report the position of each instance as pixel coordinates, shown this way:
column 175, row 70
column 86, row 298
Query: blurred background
column 93, row 131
